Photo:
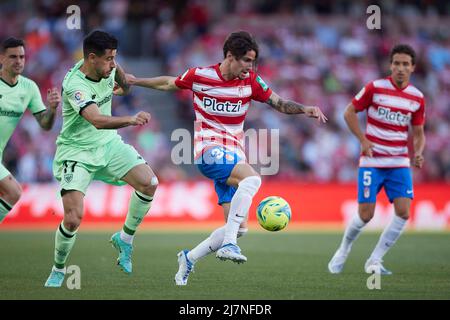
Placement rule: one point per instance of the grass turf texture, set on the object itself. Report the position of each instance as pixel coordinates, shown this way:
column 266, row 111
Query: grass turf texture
column 285, row 265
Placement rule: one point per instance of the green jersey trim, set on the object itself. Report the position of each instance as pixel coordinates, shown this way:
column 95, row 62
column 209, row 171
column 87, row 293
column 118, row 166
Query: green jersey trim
column 10, row 85
column 262, row 83
column 90, row 79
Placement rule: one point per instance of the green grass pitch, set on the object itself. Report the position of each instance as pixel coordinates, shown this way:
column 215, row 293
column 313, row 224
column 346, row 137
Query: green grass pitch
column 284, row 265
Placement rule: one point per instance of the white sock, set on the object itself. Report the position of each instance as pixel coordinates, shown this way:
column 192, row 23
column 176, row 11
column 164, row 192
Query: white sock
column 210, row 244
column 239, row 206
column 352, row 232
column 388, row 238
column 127, row 238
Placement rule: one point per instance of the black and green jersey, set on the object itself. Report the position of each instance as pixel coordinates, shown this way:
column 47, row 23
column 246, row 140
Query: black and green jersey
column 79, row 91
column 14, row 100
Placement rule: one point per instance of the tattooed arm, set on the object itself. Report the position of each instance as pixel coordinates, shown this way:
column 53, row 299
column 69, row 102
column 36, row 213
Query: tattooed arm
column 292, row 107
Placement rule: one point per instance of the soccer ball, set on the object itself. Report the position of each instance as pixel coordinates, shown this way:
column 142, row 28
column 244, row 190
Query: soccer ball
column 273, row 213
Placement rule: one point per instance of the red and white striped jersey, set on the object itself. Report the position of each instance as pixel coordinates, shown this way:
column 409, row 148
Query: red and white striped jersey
column 221, row 106
column 390, row 110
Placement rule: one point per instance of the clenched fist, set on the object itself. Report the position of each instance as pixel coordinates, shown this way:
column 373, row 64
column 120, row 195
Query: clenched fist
column 140, row 119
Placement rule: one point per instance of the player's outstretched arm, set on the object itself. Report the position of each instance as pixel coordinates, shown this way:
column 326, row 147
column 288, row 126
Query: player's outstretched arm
column 164, row 83
column 419, row 145
column 92, row 114
column 292, row 107
column 352, row 122
column 47, row 117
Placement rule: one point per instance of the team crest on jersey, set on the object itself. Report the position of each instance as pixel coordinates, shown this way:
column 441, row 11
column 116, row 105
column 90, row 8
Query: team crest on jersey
column 68, row 177
column 110, row 83
column 240, row 91
column 413, row 105
column 262, row 83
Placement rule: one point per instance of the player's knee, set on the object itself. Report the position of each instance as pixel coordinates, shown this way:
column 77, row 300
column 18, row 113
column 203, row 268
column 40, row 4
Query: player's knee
column 403, row 214
column 402, row 210
column 15, row 195
column 366, row 215
column 72, row 219
column 150, row 187
column 250, row 184
column 12, row 193
column 242, row 232
column 72, row 225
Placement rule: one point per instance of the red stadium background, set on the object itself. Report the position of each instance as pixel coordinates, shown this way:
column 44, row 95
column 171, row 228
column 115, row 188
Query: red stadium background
column 193, row 204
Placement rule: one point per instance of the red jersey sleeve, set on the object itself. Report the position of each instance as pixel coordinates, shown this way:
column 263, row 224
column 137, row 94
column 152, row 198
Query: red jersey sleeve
column 364, row 98
column 186, row 80
column 418, row 117
column 260, row 90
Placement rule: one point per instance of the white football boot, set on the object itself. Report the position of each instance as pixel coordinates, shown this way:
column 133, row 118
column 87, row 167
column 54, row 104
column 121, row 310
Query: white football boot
column 336, row 264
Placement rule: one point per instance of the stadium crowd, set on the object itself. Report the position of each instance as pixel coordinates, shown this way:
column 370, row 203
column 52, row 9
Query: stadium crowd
column 311, row 53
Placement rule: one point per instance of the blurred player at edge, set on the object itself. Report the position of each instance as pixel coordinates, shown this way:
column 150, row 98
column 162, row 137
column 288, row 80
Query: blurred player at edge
column 392, row 104
column 17, row 94
column 221, row 96
column 89, row 148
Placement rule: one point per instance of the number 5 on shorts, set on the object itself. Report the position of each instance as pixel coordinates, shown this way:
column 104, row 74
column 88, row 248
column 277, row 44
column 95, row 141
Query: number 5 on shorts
column 367, row 178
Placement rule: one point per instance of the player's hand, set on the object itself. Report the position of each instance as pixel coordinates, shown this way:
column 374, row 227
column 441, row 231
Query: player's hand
column 418, row 160
column 366, row 148
column 140, row 119
column 131, row 79
column 117, row 90
column 315, row 112
column 53, row 98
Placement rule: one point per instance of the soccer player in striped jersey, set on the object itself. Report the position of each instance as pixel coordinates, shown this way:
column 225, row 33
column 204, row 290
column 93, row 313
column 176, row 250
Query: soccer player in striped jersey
column 392, row 104
column 18, row 93
column 221, row 96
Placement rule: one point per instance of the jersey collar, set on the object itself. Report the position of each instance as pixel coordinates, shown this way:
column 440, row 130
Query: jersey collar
column 10, row 85
column 395, row 85
column 90, row 79
column 217, row 67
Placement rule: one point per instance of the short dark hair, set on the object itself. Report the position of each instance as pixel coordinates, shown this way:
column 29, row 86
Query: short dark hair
column 12, row 43
column 239, row 43
column 98, row 42
column 403, row 48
